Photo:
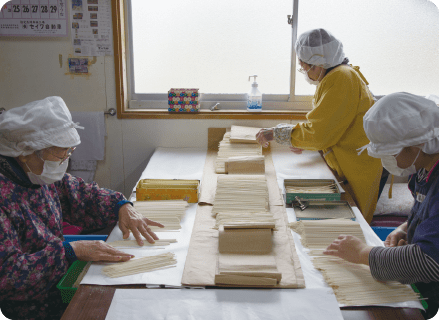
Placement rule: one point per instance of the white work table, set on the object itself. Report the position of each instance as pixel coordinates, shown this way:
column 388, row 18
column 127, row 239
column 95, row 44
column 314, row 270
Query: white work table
column 217, row 303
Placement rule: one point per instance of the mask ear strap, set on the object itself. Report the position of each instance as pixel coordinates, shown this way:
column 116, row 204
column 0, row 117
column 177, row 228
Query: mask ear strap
column 28, row 167
column 420, row 146
column 419, row 152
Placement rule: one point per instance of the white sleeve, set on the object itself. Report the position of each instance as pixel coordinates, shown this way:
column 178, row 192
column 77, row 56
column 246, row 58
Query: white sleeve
column 282, row 133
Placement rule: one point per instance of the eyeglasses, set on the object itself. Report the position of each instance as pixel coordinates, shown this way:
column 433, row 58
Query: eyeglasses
column 63, row 159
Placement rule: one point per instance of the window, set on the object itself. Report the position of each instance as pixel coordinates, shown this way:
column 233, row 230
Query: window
column 211, row 45
column 216, row 45
column 394, row 42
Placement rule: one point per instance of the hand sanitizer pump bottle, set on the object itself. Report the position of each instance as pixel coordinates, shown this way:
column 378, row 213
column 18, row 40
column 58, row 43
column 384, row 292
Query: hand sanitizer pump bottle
column 254, row 97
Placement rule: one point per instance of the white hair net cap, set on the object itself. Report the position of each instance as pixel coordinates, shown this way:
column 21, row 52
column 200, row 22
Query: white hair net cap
column 37, row 125
column 401, row 120
column 319, row 47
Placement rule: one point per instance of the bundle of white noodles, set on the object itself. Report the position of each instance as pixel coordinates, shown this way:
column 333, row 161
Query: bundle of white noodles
column 141, row 265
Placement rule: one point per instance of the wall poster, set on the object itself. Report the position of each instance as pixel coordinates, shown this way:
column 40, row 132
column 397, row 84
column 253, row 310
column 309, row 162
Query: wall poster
column 91, row 27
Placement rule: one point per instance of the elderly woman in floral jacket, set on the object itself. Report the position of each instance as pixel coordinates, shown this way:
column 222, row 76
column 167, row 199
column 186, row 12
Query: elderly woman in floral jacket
column 37, row 195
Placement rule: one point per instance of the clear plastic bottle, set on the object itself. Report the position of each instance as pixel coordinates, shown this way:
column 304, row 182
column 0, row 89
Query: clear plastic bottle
column 254, row 97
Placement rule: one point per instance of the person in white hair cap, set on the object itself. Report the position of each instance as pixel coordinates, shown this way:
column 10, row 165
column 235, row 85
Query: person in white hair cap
column 403, row 130
column 37, row 195
column 335, row 124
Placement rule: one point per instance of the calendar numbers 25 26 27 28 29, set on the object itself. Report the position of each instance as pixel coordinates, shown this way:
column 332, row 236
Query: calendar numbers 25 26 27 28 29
column 26, row 8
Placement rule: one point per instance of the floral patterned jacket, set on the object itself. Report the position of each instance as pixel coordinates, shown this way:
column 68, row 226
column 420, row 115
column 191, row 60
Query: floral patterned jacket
column 32, row 255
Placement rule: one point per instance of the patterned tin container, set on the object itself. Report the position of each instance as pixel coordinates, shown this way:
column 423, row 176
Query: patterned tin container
column 183, row 100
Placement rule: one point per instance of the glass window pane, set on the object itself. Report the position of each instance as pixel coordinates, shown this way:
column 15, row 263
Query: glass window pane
column 211, row 45
column 395, row 42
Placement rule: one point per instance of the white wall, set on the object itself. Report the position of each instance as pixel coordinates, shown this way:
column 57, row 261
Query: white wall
column 30, row 70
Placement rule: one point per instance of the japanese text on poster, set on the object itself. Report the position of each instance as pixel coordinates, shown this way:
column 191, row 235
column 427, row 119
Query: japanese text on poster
column 91, row 27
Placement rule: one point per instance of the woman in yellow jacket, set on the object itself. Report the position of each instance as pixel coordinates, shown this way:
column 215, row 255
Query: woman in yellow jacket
column 335, row 125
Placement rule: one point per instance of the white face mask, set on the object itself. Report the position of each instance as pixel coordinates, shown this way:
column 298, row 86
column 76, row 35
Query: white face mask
column 389, row 162
column 309, row 80
column 52, row 172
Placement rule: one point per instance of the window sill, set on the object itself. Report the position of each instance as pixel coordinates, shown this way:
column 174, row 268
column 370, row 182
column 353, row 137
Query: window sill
column 214, row 115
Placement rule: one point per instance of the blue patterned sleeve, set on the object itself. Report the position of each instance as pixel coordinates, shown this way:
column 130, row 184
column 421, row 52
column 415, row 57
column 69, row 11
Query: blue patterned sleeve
column 86, row 204
column 120, row 204
column 70, row 253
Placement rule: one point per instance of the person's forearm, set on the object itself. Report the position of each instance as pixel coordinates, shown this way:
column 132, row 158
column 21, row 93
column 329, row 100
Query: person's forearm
column 87, row 205
column 406, row 264
column 26, row 276
column 364, row 255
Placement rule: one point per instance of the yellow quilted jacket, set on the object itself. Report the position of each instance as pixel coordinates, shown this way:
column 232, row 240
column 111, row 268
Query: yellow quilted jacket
column 335, row 126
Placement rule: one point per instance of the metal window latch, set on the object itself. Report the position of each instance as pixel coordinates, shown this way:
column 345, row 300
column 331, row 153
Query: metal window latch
column 290, row 19
column 302, row 204
column 215, row 107
column 111, row 112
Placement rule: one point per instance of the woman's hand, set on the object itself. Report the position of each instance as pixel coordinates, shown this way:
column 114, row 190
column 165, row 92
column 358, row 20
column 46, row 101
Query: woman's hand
column 296, row 150
column 86, row 250
column 349, row 248
column 130, row 219
column 397, row 237
column 264, row 136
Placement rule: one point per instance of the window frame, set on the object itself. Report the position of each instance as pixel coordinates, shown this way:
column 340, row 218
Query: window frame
column 288, row 107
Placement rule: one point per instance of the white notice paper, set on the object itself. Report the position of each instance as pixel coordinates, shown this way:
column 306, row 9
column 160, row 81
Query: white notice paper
column 219, row 304
column 91, row 27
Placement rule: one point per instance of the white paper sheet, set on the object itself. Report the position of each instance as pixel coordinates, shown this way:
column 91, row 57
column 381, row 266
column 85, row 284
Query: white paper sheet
column 308, row 165
column 175, row 163
column 169, row 277
column 219, row 304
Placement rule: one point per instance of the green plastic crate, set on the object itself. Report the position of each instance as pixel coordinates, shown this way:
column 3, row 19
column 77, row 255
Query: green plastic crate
column 66, row 283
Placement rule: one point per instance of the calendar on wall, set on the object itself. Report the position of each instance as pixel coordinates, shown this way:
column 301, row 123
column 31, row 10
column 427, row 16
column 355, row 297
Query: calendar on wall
column 44, row 18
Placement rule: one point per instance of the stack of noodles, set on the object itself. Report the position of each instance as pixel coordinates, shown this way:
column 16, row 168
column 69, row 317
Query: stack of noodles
column 228, row 149
column 133, row 243
column 240, row 134
column 319, row 234
column 352, row 283
column 141, row 265
column 330, row 188
column 167, row 212
column 242, row 199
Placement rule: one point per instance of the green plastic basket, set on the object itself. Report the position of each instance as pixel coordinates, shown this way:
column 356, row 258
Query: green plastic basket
column 66, row 283
column 423, row 302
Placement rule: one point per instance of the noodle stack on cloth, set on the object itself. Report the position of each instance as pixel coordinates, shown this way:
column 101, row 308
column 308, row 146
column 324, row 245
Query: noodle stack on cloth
column 228, row 149
column 243, row 206
column 167, row 212
column 141, row 265
column 241, row 199
column 352, row 283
